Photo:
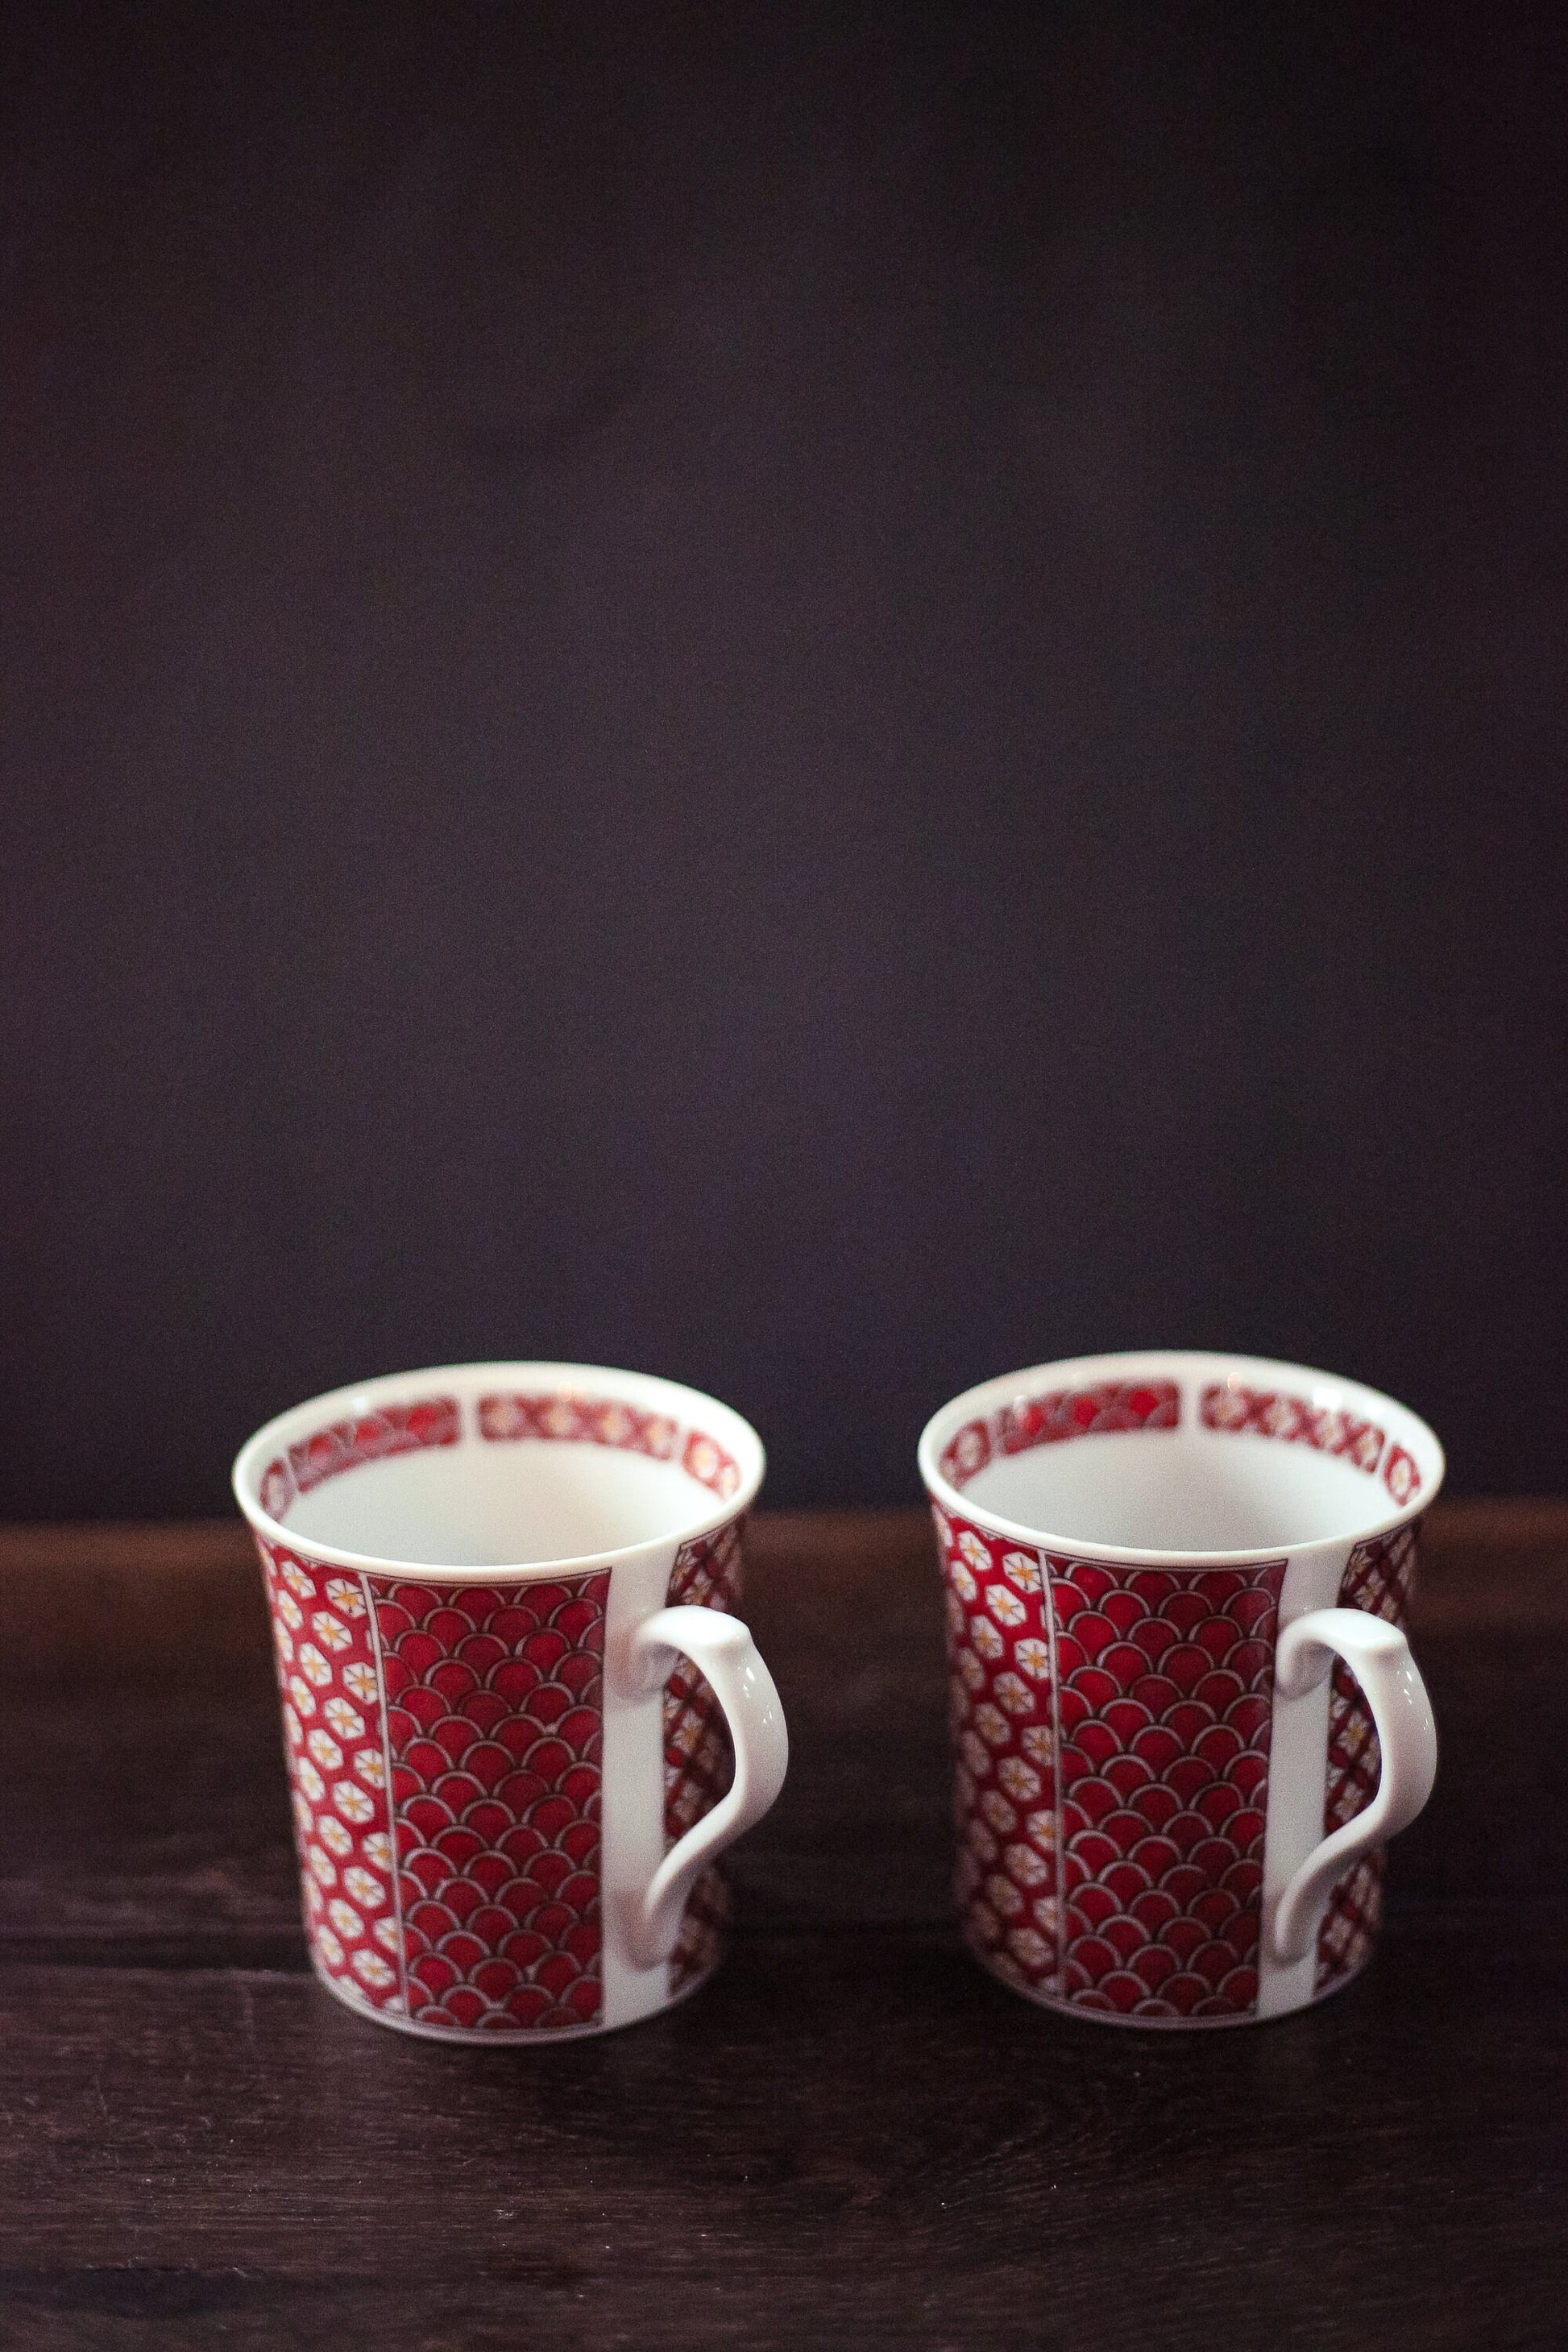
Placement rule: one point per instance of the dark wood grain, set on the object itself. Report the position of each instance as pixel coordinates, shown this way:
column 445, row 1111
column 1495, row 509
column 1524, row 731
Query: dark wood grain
column 852, row 2138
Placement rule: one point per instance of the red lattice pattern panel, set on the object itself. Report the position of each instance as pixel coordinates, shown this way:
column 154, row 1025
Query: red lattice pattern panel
column 1379, row 1577
column 699, row 1761
column 1004, row 1821
column 494, row 1722
column 1268, row 1413
column 391, row 1429
column 1165, row 1703
column 1050, row 1420
column 603, row 1421
column 325, row 1652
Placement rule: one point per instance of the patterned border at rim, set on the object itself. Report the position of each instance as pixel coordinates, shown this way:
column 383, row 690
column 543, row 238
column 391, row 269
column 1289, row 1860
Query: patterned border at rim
column 1292, row 1421
column 1052, row 1418
column 562, row 1416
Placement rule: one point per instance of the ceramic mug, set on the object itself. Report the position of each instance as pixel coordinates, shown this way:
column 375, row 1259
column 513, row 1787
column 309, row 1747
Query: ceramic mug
column 520, row 1717
column 1186, row 1718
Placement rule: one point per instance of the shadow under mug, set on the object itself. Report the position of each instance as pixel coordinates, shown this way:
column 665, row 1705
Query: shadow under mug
column 521, row 1719
column 1186, row 1718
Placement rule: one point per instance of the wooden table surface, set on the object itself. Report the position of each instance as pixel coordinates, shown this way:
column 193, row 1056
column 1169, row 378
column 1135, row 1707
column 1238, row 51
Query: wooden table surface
column 852, row 2138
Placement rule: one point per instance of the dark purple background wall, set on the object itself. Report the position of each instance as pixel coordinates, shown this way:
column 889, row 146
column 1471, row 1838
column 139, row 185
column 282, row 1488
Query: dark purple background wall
column 824, row 699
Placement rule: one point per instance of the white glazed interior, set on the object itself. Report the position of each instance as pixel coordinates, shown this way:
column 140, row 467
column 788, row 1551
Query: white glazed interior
column 1190, row 1491
column 495, row 1505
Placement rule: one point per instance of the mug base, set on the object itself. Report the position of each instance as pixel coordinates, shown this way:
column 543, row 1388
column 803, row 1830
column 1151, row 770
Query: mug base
column 484, row 2038
column 1060, row 2008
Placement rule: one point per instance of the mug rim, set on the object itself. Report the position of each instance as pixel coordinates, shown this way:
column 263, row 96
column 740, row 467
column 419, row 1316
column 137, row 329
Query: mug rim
column 1330, row 1391
column 358, row 1399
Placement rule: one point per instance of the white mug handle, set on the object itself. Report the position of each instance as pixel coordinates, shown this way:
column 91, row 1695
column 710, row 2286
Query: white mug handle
column 721, row 1648
column 1378, row 1654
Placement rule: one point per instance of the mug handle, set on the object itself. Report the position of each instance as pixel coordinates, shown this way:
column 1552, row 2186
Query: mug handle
column 721, row 1649
column 1378, row 1654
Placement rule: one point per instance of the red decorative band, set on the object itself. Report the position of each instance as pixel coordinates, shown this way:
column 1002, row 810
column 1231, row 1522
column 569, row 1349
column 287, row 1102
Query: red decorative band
column 1050, row 1420
column 1348, row 1437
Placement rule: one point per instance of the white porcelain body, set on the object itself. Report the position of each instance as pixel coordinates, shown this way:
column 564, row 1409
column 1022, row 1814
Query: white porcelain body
column 1160, row 1501
column 501, row 1490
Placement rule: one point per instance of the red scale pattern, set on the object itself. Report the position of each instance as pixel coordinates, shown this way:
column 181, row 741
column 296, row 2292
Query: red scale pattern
column 1052, row 1419
column 1379, row 1576
column 1164, row 1696
column 698, row 1760
column 494, row 1708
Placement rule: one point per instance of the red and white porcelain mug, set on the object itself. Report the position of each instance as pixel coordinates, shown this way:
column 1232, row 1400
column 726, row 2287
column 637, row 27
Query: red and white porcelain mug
column 1185, row 1716
column 521, row 1719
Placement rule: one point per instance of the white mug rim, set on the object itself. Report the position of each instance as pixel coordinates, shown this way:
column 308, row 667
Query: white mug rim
column 644, row 1391
column 1330, row 1391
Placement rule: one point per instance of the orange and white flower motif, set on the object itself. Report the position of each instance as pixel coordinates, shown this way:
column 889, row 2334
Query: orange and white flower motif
column 998, row 1811
column 315, row 1900
column 330, row 1631
column 331, row 1832
column 1034, row 1657
column 1021, row 1780
column 285, row 1641
column 1036, row 1743
column 302, row 1814
column 986, row 1638
column 702, row 1458
column 310, row 1781
column 366, row 1891
column 970, row 1671
column 1004, row 1605
column 1022, row 1569
column 1031, row 1950
column 971, row 1549
column 962, row 1583
column 313, row 1666
column 992, row 1725
column 956, row 1616
column 1279, row 1416
column 372, row 1970
column 980, row 1840
column 359, row 1681
column 325, row 1749
column 346, row 1918
column 345, row 1720
column 561, row 1419
column 985, row 1923
column 1024, row 1865
column 974, row 1753
column 1367, row 1448
column 294, row 1576
column 385, row 1934
column 378, row 1850
column 371, row 1766
column 325, row 1872
column 331, row 1950
column 615, row 1424
column 1013, row 1693
column 289, row 1611
column 1003, row 1896
column 303, row 1696
column 352, row 1804
column 943, row 1530
column 1042, row 1828
column 291, row 1724
column 345, row 1594
column 1046, row 1914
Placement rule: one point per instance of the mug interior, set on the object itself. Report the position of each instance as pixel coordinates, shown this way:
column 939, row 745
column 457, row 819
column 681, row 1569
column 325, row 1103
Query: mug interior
column 499, row 1472
column 1184, row 1453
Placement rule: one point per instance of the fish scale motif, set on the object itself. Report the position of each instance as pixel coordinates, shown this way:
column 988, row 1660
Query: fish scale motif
column 698, row 1760
column 1165, row 1698
column 494, row 1705
column 1380, row 1577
